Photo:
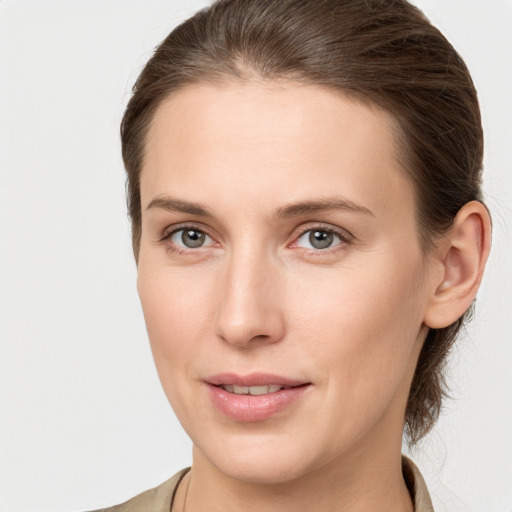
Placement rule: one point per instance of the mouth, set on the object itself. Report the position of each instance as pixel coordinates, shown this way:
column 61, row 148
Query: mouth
column 253, row 390
column 254, row 383
column 255, row 397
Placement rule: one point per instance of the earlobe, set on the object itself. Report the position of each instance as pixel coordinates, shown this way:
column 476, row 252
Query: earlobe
column 463, row 254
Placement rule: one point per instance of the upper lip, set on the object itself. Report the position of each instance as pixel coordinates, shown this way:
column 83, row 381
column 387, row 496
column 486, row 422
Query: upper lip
column 253, row 379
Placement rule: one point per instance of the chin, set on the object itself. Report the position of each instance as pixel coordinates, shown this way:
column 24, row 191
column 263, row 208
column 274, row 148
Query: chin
column 263, row 460
column 260, row 470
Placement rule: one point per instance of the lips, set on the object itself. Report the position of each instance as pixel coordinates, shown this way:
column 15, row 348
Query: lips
column 253, row 379
column 254, row 397
column 252, row 390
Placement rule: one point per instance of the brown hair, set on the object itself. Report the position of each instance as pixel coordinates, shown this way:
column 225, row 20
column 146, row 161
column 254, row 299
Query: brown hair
column 382, row 51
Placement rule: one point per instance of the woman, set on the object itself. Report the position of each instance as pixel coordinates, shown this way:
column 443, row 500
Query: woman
column 304, row 190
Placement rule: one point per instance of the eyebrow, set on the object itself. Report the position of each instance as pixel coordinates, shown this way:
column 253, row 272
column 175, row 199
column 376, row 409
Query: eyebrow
column 328, row 204
column 176, row 205
column 292, row 210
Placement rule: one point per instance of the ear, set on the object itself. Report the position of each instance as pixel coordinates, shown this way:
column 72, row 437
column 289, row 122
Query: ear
column 461, row 257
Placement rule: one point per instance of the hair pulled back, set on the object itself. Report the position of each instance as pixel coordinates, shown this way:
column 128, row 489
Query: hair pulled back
column 384, row 52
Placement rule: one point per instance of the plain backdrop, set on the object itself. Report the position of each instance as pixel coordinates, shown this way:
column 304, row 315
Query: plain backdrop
column 83, row 421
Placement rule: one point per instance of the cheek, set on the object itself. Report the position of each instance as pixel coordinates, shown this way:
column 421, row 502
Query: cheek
column 174, row 310
column 379, row 296
column 362, row 329
column 174, row 303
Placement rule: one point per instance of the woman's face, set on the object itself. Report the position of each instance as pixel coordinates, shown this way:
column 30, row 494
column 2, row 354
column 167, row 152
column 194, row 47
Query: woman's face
column 281, row 276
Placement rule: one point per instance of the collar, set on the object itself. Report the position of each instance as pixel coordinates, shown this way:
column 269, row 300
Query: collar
column 417, row 486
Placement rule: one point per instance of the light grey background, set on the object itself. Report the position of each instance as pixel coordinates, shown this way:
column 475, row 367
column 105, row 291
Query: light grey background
column 83, row 421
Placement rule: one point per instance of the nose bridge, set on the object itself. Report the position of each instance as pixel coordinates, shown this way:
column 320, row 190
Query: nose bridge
column 248, row 307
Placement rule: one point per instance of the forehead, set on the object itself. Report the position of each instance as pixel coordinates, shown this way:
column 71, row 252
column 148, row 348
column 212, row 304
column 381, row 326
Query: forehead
column 267, row 138
column 276, row 110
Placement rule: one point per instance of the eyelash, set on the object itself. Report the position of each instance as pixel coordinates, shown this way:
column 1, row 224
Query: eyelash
column 344, row 237
column 169, row 233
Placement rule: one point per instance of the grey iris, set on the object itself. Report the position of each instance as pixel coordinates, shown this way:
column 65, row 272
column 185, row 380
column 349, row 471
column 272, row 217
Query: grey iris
column 321, row 239
column 192, row 238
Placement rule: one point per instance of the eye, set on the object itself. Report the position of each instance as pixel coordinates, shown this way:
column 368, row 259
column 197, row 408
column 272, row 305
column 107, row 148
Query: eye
column 189, row 238
column 319, row 239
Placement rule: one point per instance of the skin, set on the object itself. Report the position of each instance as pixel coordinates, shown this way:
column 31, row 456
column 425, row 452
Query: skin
column 350, row 319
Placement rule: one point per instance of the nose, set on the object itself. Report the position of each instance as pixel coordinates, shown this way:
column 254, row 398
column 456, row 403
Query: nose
column 249, row 308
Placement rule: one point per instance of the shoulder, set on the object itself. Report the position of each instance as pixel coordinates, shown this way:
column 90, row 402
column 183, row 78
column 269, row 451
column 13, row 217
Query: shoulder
column 158, row 499
column 417, row 486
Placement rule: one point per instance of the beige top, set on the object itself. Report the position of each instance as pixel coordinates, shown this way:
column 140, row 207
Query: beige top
column 160, row 498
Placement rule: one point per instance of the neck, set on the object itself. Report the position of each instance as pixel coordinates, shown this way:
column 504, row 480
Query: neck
column 358, row 482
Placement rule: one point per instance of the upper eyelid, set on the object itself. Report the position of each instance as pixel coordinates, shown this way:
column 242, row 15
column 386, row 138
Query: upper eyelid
column 320, row 226
column 298, row 232
column 170, row 230
column 166, row 239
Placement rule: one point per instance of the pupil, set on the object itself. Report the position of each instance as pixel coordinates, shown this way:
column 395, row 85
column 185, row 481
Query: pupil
column 321, row 239
column 192, row 238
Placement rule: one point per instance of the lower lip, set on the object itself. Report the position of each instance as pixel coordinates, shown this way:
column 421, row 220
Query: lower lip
column 252, row 408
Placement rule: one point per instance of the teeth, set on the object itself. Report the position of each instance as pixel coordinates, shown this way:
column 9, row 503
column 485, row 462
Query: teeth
column 258, row 390
column 252, row 390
